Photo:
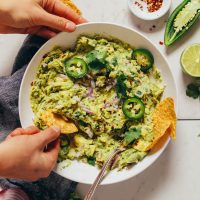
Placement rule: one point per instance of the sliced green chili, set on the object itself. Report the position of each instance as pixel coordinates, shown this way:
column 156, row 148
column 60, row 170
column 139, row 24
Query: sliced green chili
column 144, row 58
column 133, row 108
column 76, row 68
column 181, row 20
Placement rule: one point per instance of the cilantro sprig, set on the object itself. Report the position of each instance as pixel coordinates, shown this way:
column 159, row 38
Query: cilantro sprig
column 131, row 135
column 193, row 89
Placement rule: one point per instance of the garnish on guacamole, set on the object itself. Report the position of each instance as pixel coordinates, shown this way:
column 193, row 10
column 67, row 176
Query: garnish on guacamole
column 103, row 89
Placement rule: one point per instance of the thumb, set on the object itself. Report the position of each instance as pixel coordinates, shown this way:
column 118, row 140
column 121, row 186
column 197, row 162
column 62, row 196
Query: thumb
column 49, row 135
column 55, row 22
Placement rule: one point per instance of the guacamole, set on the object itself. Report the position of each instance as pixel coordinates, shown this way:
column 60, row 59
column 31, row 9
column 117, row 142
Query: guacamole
column 102, row 87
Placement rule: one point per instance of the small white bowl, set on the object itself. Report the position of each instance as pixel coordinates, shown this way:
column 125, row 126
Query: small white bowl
column 144, row 14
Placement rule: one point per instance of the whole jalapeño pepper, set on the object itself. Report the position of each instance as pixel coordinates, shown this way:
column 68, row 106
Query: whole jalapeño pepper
column 181, row 20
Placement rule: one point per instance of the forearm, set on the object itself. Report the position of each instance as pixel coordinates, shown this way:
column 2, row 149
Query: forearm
column 4, row 161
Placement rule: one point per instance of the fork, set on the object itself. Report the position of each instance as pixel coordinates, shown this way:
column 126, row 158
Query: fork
column 102, row 173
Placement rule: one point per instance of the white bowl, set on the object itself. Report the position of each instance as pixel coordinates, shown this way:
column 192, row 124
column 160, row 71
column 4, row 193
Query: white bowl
column 78, row 171
column 144, row 14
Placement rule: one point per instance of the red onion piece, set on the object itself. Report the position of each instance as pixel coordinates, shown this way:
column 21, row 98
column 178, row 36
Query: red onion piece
column 90, row 92
column 92, row 84
column 86, row 109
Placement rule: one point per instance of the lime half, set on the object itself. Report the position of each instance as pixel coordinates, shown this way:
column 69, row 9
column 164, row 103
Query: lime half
column 190, row 60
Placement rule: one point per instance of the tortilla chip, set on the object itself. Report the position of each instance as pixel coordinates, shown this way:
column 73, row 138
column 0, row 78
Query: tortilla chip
column 164, row 121
column 72, row 6
column 51, row 119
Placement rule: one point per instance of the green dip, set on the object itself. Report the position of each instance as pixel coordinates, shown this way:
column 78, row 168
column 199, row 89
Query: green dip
column 95, row 101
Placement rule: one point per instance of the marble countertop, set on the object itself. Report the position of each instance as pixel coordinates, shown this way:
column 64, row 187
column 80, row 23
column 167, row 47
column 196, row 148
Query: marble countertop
column 175, row 175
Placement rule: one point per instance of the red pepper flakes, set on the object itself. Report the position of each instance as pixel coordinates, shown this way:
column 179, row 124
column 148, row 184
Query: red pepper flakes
column 154, row 5
column 139, row 5
column 161, row 43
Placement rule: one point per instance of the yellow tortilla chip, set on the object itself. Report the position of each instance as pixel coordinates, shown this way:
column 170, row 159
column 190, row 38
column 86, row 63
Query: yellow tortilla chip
column 164, row 121
column 51, row 119
column 72, row 6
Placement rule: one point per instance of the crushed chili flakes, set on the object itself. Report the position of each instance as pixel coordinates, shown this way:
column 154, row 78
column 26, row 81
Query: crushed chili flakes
column 139, row 5
column 154, row 5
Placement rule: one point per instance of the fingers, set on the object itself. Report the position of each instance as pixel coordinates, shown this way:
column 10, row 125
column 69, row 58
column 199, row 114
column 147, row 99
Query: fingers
column 8, row 29
column 20, row 131
column 45, row 33
column 55, row 22
column 50, row 158
column 42, row 31
column 32, row 130
column 65, row 11
column 48, row 136
column 52, row 153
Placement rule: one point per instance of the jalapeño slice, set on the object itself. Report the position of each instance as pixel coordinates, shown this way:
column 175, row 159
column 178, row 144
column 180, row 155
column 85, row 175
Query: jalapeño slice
column 133, row 108
column 76, row 68
column 144, row 58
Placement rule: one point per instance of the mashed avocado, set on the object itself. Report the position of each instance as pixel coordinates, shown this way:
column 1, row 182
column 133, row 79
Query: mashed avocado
column 95, row 99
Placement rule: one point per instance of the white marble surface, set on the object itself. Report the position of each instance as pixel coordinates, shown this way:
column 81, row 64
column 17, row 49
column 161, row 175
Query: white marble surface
column 9, row 46
column 175, row 175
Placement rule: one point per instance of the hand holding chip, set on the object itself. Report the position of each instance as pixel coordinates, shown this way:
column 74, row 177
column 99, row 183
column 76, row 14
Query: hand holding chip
column 24, row 154
column 41, row 17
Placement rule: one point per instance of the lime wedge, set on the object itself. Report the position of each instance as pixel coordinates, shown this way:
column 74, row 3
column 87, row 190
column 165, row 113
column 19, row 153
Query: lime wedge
column 190, row 60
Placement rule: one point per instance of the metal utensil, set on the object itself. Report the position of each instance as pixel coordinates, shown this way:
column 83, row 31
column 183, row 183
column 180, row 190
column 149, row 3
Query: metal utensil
column 102, row 173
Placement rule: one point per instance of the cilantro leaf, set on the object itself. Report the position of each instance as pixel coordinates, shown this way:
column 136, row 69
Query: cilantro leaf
column 193, row 91
column 96, row 59
column 91, row 160
column 131, row 136
column 121, row 86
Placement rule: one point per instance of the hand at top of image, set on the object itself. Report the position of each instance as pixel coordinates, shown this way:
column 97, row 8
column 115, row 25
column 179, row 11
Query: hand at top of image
column 41, row 17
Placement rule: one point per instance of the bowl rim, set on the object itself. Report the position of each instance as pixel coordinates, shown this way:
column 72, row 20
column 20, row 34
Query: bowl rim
column 153, row 15
column 175, row 89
